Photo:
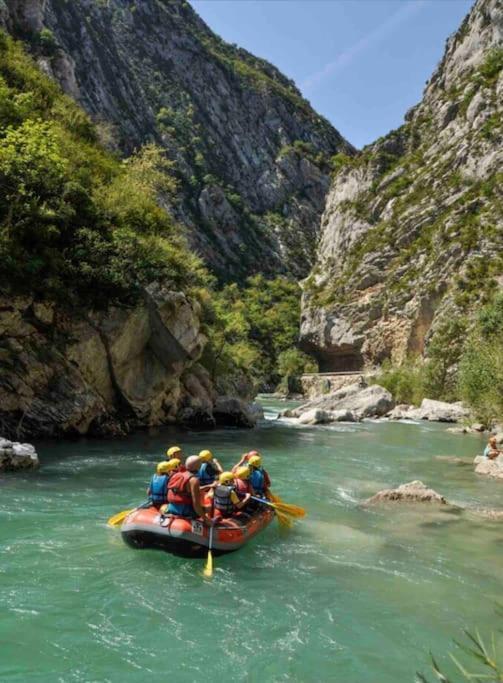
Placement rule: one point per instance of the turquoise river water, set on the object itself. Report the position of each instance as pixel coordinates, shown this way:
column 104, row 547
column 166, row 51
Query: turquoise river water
column 351, row 595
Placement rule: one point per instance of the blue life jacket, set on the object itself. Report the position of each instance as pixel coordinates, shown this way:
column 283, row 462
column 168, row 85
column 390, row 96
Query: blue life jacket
column 158, row 489
column 206, row 474
column 181, row 510
column 257, row 481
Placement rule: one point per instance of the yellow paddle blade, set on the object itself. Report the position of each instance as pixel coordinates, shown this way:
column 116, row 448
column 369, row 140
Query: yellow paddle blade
column 208, row 568
column 284, row 521
column 274, row 498
column 119, row 518
column 292, row 510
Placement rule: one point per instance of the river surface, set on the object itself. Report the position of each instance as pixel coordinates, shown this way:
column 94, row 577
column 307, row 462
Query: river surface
column 350, row 595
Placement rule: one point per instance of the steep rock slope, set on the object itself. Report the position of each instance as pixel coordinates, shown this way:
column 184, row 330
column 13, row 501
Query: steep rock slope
column 251, row 154
column 109, row 372
column 412, row 234
column 104, row 313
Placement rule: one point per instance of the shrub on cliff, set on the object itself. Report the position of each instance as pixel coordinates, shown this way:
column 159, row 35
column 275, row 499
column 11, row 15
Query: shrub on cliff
column 256, row 326
column 76, row 224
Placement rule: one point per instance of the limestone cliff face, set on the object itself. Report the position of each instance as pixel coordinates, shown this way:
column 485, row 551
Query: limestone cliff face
column 412, row 233
column 109, row 373
column 251, row 154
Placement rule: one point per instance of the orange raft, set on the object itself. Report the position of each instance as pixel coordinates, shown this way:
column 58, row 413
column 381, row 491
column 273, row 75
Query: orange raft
column 147, row 528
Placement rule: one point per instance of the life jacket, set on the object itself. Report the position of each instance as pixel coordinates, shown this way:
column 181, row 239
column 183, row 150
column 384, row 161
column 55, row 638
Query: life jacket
column 260, row 481
column 158, row 488
column 222, row 499
column 242, row 487
column 178, row 488
column 206, row 474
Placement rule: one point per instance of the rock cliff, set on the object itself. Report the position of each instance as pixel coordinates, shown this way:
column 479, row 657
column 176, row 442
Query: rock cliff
column 251, row 155
column 412, row 233
column 109, row 373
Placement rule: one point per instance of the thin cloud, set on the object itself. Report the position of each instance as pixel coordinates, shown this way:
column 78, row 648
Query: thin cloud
column 378, row 34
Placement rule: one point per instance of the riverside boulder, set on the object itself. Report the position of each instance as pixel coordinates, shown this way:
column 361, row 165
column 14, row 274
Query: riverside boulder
column 17, row 456
column 491, row 468
column 434, row 411
column 412, row 492
column 350, row 403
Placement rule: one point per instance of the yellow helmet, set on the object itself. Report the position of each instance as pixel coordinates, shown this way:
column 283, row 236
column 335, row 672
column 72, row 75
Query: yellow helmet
column 171, row 452
column 173, row 464
column 226, row 478
column 163, row 467
column 205, row 456
column 255, row 461
column 242, row 472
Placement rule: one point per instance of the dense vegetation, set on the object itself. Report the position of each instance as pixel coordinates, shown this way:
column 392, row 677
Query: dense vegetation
column 76, row 224
column 85, row 229
column 256, row 327
column 464, row 362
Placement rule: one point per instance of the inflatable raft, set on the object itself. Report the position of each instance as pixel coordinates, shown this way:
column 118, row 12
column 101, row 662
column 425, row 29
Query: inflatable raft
column 147, row 528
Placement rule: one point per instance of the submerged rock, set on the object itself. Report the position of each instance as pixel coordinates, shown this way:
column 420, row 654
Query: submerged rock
column 412, row 492
column 452, row 459
column 350, row 404
column 492, row 468
column 17, row 456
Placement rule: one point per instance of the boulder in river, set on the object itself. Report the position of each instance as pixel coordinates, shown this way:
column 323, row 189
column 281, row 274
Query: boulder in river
column 17, row 456
column 233, row 412
column 492, row 468
column 350, row 403
column 435, row 411
column 317, row 416
column 412, row 492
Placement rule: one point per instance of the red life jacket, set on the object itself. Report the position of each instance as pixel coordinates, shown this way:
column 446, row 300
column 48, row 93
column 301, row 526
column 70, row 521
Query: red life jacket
column 178, row 488
column 242, row 487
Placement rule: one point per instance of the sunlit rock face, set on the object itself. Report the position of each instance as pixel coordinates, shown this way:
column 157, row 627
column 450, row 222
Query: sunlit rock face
column 251, row 155
column 110, row 371
column 412, row 231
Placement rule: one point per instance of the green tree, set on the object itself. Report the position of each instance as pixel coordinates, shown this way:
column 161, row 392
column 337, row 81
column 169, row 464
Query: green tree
column 443, row 354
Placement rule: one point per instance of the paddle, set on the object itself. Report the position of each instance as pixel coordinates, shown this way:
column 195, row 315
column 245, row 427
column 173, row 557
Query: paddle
column 283, row 508
column 208, row 568
column 117, row 519
column 294, row 510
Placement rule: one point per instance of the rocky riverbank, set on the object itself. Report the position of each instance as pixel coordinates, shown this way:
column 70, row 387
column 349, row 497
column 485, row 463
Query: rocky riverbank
column 359, row 401
column 109, row 372
column 17, row 456
column 491, row 468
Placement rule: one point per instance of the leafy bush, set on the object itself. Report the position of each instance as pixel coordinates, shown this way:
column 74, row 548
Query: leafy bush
column 404, row 382
column 444, row 352
column 257, row 327
column 76, row 224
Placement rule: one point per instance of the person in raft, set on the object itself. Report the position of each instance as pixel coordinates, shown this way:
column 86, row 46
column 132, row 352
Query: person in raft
column 244, row 460
column 158, row 488
column 226, row 501
column 260, row 481
column 209, row 469
column 242, row 481
column 492, row 451
column 174, row 452
column 184, row 493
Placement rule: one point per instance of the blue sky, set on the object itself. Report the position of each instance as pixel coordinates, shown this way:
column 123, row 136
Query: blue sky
column 361, row 63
